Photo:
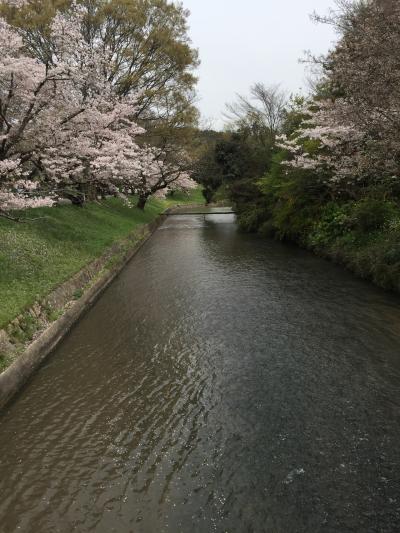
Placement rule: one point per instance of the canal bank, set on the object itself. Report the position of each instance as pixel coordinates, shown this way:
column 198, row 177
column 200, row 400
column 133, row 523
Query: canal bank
column 31, row 336
column 69, row 302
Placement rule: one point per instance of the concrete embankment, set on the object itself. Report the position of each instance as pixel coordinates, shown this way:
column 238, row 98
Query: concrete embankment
column 56, row 314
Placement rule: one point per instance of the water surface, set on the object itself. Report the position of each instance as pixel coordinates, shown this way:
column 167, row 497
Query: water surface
column 223, row 383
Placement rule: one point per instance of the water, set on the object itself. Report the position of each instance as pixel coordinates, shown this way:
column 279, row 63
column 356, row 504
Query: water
column 223, row 383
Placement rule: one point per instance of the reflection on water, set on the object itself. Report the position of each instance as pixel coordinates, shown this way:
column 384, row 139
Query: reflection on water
column 223, row 383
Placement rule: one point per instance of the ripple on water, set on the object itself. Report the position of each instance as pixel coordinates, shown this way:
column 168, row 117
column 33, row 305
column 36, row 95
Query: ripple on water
column 222, row 383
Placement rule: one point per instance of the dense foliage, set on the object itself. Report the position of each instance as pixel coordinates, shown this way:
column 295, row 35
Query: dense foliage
column 332, row 181
column 95, row 97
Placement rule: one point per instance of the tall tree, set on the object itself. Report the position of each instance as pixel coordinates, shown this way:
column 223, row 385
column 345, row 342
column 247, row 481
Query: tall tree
column 64, row 125
column 146, row 57
column 145, row 41
column 261, row 114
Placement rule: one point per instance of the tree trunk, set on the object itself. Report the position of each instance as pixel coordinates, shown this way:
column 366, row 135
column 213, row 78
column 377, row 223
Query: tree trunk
column 141, row 202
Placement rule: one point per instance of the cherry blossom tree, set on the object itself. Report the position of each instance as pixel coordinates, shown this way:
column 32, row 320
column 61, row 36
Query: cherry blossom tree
column 65, row 128
column 28, row 93
column 351, row 135
column 329, row 144
column 163, row 169
column 97, row 147
column 147, row 54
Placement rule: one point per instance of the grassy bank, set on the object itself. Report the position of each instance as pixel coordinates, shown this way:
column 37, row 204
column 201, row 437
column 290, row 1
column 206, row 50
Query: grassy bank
column 364, row 236
column 37, row 256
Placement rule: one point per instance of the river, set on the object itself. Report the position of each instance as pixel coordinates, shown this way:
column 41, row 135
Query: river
column 222, row 383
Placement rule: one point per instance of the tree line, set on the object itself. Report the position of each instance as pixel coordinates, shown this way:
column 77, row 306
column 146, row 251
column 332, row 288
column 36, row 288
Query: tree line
column 323, row 170
column 96, row 97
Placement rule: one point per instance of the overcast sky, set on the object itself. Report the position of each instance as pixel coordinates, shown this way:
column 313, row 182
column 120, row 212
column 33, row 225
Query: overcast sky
column 246, row 41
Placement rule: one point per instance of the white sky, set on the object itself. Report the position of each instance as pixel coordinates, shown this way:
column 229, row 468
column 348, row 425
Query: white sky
column 246, row 41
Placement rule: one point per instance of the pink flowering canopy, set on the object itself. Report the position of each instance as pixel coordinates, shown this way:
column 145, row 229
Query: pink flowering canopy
column 351, row 133
column 63, row 125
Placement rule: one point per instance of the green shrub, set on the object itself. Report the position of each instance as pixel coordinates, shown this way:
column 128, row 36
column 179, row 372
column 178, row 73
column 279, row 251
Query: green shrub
column 392, row 254
column 29, row 325
column 267, row 229
column 334, row 222
column 251, row 218
column 4, row 361
column 370, row 214
column 293, row 221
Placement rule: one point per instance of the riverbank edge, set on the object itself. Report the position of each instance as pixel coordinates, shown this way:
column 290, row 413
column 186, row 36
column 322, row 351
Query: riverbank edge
column 367, row 247
column 70, row 301
column 362, row 263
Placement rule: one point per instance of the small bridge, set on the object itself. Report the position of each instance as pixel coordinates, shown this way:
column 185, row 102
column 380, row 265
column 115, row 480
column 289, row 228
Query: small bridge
column 200, row 211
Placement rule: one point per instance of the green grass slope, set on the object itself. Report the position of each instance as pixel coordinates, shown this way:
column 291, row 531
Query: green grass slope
column 37, row 256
